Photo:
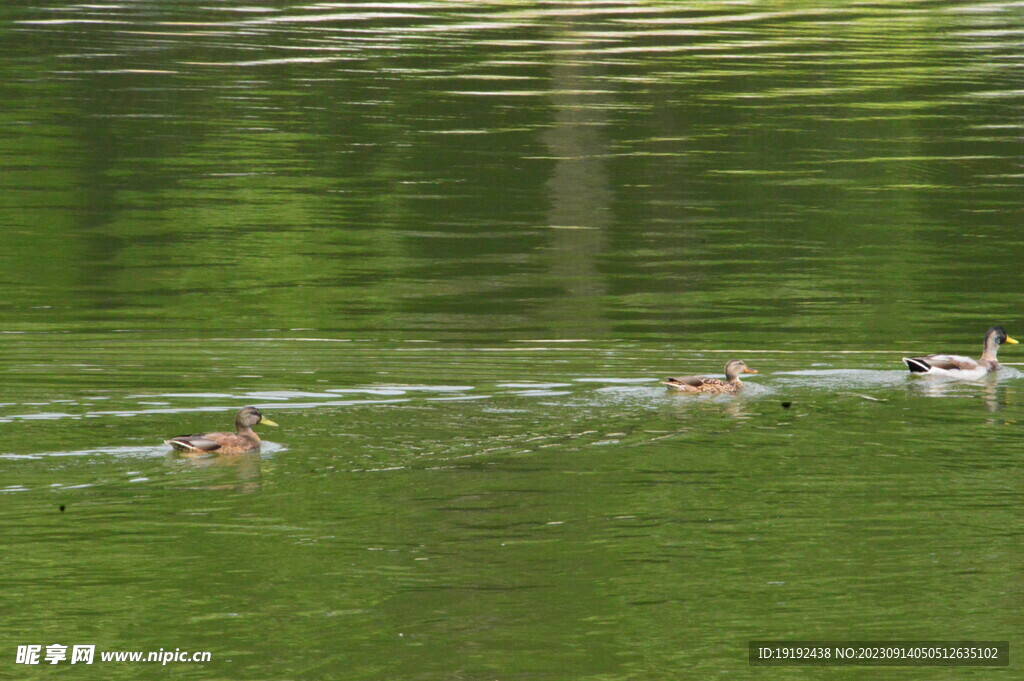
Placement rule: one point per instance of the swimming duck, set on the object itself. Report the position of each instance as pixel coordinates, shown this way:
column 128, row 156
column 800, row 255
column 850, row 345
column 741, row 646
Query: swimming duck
column 713, row 386
column 955, row 366
column 243, row 440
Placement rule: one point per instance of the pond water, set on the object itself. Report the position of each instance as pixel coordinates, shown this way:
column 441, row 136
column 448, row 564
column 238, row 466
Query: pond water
column 451, row 248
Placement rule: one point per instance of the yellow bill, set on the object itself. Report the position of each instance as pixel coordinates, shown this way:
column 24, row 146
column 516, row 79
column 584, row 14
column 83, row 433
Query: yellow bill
column 264, row 421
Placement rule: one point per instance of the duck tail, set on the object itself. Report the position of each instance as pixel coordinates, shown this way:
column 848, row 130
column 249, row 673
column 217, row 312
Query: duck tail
column 917, row 365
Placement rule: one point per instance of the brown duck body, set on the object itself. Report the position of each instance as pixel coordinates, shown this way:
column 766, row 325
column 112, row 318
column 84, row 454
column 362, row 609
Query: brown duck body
column 221, row 443
column 243, row 440
column 712, row 386
column 700, row 384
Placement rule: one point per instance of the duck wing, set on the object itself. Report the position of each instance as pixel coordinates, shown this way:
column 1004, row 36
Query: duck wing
column 944, row 362
column 201, row 442
column 690, row 381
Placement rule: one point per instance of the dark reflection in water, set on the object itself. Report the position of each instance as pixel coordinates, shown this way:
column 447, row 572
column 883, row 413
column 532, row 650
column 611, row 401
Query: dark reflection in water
column 810, row 173
column 245, row 469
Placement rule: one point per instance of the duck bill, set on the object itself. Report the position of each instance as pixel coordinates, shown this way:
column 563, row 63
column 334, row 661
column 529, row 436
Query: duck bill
column 1012, row 341
column 267, row 422
column 748, row 370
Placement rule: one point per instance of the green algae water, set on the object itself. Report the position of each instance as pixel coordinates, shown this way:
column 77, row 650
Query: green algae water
column 452, row 248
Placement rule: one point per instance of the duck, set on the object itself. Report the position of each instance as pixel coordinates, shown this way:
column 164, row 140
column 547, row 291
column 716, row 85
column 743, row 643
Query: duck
column 964, row 368
column 243, row 440
column 713, row 386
